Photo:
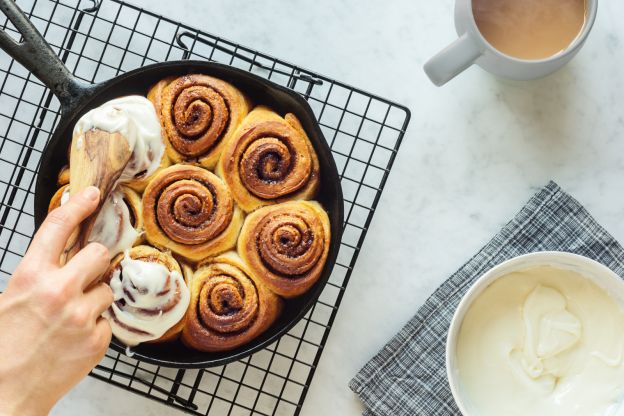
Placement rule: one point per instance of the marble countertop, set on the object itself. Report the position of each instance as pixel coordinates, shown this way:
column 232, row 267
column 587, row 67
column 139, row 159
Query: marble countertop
column 475, row 151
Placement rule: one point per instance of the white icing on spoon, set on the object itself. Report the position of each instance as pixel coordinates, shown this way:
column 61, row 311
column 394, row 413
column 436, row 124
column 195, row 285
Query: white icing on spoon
column 135, row 118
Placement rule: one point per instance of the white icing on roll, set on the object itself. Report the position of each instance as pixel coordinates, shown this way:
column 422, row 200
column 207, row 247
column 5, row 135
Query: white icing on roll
column 141, row 291
column 65, row 195
column 135, row 118
column 112, row 227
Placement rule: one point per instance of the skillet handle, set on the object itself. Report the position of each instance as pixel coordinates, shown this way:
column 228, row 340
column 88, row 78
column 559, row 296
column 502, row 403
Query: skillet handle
column 35, row 54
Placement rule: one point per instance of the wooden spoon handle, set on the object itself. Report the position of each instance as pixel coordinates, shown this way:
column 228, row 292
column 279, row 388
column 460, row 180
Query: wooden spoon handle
column 97, row 158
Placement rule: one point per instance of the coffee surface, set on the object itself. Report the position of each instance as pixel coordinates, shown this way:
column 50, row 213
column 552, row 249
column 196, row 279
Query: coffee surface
column 530, row 29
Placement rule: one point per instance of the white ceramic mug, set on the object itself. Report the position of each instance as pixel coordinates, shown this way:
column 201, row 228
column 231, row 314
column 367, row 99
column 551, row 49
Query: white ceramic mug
column 471, row 47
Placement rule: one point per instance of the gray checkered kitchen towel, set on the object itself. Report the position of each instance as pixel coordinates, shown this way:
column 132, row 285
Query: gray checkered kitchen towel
column 408, row 376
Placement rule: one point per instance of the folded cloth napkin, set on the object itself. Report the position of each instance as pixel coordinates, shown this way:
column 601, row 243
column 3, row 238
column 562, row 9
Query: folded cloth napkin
column 408, row 376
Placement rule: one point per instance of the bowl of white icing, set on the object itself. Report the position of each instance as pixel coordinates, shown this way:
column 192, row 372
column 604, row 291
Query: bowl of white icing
column 541, row 335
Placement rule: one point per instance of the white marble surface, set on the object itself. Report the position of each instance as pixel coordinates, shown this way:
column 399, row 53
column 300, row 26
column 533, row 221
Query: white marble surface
column 475, row 151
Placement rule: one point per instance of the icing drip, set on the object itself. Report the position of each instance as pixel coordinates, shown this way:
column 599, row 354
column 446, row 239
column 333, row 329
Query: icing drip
column 129, row 352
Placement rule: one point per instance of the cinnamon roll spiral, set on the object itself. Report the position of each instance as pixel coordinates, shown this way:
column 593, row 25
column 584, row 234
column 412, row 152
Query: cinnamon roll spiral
column 119, row 224
column 270, row 159
column 151, row 296
column 286, row 245
column 190, row 211
column 229, row 306
column 198, row 114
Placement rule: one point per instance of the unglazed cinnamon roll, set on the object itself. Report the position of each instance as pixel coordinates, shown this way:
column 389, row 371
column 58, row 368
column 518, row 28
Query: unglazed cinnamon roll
column 286, row 245
column 59, row 198
column 63, row 176
column 190, row 211
column 198, row 114
column 229, row 307
column 141, row 179
column 119, row 224
column 151, row 296
column 270, row 159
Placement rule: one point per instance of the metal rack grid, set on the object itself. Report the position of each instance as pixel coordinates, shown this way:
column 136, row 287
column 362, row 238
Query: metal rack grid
column 100, row 39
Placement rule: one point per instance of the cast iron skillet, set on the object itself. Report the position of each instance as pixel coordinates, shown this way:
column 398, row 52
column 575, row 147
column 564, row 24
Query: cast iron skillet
column 76, row 98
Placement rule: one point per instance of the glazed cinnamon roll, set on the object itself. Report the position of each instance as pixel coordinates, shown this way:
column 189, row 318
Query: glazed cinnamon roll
column 151, row 296
column 286, row 245
column 229, row 307
column 119, row 224
column 190, row 211
column 198, row 114
column 270, row 159
column 149, row 155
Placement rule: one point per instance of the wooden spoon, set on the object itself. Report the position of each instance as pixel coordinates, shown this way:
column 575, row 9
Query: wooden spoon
column 97, row 158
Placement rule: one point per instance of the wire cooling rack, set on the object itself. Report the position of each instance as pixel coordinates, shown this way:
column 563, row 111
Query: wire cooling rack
column 100, row 39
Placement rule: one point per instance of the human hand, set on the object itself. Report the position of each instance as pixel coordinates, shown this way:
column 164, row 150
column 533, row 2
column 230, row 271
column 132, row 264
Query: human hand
column 52, row 332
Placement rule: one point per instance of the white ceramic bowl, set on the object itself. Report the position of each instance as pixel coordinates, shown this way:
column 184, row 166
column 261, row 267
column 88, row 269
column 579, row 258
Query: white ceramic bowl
column 596, row 272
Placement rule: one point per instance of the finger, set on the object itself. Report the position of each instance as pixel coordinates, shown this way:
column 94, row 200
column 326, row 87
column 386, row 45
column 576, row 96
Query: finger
column 102, row 336
column 98, row 299
column 88, row 264
column 50, row 240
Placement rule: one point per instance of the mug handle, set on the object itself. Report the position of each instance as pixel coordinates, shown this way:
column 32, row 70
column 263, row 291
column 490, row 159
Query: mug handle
column 453, row 60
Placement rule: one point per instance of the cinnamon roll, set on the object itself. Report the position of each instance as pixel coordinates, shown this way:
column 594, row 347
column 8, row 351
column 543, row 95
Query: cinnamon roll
column 138, row 182
column 59, row 198
column 141, row 179
column 268, row 160
column 229, row 306
column 198, row 114
column 286, row 245
column 63, row 176
column 119, row 224
column 190, row 211
column 150, row 294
